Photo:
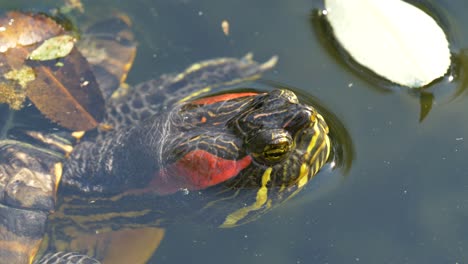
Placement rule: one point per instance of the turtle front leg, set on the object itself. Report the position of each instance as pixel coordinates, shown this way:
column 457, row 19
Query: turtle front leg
column 21, row 233
column 28, row 183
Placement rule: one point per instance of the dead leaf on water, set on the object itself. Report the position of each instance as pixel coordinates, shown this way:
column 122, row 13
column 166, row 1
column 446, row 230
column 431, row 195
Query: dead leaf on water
column 24, row 29
column 60, row 83
column 69, row 94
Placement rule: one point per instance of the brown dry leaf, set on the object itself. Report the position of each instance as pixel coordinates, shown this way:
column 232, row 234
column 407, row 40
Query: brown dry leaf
column 68, row 94
column 19, row 33
column 63, row 88
column 24, row 29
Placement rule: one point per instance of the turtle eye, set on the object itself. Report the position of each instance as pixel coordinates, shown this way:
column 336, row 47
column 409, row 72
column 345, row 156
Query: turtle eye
column 272, row 145
column 276, row 151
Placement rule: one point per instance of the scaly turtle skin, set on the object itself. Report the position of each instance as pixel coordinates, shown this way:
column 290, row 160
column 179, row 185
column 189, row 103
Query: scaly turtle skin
column 175, row 151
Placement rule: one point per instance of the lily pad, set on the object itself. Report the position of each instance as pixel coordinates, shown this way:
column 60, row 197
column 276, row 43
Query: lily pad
column 392, row 38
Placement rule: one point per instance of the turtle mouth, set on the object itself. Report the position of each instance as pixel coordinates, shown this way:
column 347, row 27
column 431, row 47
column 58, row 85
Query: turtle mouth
column 316, row 153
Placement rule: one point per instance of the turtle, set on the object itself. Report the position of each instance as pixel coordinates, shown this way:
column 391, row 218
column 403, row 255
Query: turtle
column 195, row 145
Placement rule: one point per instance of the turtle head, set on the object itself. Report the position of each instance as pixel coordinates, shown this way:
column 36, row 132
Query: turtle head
column 244, row 152
column 273, row 125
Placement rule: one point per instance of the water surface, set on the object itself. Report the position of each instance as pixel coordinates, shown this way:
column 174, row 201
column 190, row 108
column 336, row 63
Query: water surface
column 405, row 198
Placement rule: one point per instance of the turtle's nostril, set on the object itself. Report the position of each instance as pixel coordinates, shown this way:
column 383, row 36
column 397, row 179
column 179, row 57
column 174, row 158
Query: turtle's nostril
column 304, row 117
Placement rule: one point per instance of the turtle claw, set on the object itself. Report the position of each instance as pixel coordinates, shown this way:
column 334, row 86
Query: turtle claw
column 269, row 64
column 66, row 258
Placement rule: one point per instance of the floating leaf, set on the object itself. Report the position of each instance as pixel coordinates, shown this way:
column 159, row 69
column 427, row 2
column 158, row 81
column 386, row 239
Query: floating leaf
column 63, row 89
column 67, row 94
column 53, row 48
column 24, row 29
column 20, row 32
column 394, row 39
column 426, row 100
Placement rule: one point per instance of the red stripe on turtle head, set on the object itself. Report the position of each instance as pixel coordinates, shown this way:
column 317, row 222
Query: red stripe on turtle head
column 197, row 170
column 221, row 98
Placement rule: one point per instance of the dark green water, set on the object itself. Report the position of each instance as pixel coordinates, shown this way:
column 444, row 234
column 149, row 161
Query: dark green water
column 405, row 198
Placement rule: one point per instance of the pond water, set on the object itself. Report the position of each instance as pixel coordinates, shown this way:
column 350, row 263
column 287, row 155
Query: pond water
column 405, row 197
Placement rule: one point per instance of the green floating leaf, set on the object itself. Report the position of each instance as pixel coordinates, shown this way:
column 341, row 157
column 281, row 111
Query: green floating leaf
column 394, row 39
column 53, row 48
column 426, row 100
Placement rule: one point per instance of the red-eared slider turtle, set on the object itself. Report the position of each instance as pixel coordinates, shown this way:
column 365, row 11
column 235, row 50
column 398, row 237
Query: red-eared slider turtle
column 175, row 148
